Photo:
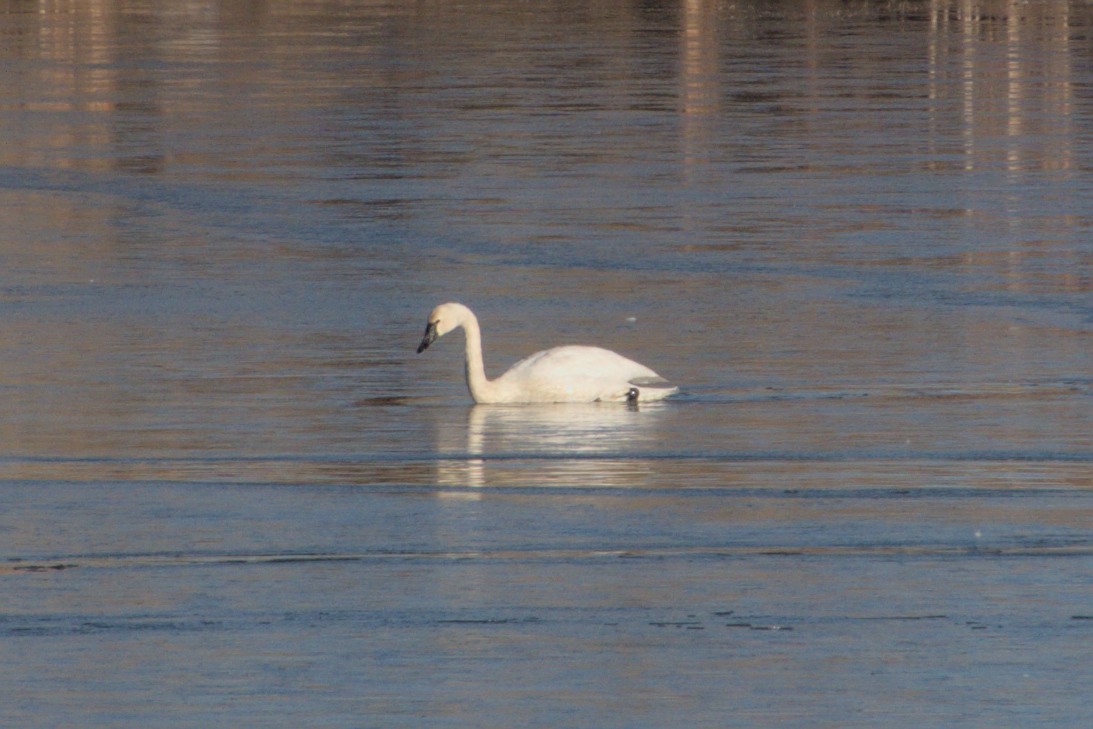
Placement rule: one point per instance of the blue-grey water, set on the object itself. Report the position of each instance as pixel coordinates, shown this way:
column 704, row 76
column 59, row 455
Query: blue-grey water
column 859, row 236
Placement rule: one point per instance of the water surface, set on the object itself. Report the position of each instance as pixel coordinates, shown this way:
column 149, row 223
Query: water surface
column 857, row 235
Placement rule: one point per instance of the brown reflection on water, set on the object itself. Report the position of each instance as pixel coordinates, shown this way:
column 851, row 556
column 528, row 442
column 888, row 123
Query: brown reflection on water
column 1013, row 70
column 1008, row 65
column 220, row 92
column 1011, row 66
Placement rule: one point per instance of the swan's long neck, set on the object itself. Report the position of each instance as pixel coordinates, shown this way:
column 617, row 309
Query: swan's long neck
column 482, row 390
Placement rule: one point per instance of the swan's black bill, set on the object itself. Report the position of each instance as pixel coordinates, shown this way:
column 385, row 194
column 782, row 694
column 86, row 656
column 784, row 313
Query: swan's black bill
column 429, row 338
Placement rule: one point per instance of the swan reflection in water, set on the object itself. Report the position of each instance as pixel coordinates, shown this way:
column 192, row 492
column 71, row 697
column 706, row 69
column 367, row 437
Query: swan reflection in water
column 573, row 444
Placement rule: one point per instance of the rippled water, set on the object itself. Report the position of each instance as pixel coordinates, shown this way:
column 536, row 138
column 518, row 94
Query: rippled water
column 856, row 234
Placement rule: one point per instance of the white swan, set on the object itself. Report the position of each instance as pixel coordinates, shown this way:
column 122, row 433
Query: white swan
column 561, row 374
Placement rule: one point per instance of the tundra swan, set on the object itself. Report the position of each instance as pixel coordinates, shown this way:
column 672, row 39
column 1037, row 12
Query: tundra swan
column 562, row 374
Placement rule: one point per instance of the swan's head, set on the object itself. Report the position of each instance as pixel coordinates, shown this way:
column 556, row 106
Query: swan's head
column 442, row 320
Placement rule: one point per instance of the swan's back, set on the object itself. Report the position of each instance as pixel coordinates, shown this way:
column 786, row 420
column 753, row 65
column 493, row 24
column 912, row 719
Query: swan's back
column 580, row 373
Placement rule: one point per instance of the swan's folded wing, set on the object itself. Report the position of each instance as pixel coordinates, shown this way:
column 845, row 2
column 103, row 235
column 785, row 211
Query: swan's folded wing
column 652, row 383
column 576, row 373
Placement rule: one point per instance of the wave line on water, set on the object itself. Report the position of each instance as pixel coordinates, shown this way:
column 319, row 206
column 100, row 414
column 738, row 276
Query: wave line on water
column 681, row 455
column 727, row 456
column 138, row 561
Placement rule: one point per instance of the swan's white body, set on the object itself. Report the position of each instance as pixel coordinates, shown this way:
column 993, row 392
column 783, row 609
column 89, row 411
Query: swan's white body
column 562, row 374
